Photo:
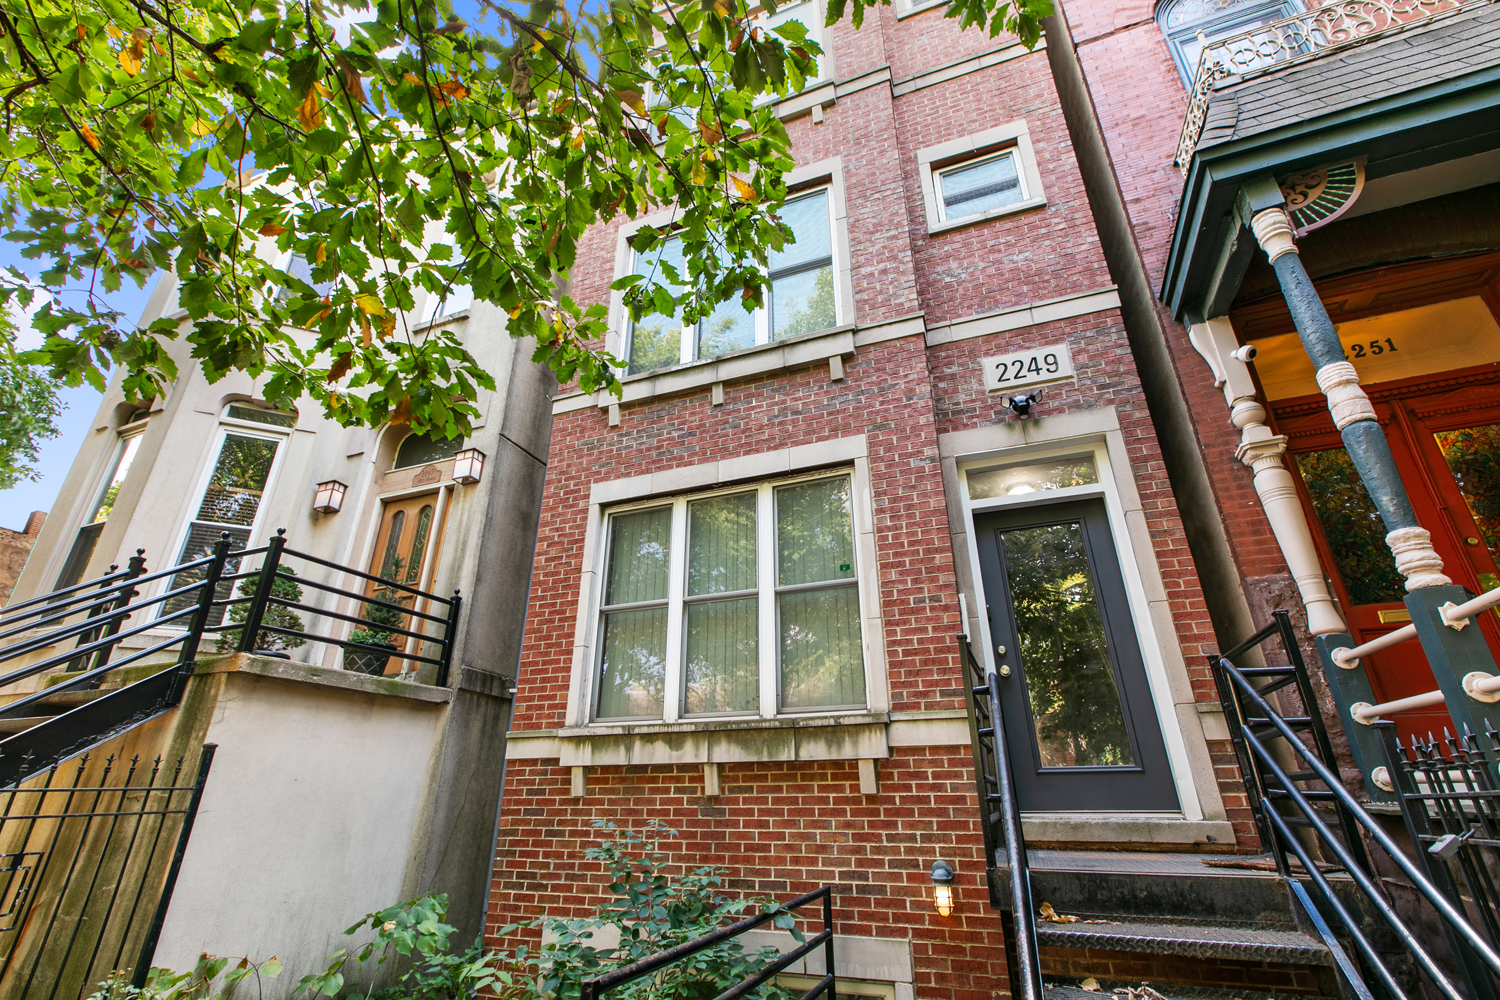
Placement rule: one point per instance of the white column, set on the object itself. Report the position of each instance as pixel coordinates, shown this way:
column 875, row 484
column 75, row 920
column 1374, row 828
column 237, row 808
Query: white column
column 1262, row 451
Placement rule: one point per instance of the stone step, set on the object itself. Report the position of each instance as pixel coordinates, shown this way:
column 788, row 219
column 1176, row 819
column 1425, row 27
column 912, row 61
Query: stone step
column 1236, row 942
column 10, row 726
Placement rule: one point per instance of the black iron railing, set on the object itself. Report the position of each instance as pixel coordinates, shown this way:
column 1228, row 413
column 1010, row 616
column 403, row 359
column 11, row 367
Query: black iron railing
column 1310, row 796
column 1000, row 815
column 92, row 853
column 251, row 632
column 91, row 630
column 594, row 989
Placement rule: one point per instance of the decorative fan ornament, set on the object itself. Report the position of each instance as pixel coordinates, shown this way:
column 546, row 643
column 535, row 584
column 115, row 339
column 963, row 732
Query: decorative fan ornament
column 1318, row 196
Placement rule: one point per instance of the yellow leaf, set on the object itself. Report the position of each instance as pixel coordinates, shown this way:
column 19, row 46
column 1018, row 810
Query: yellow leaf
column 370, row 305
column 387, row 327
column 699, row 174
column 156, row 46
column 310, row 111
column 708, row 156
column 191, row 75
column 334, row 401
column 272, row 229
column 129, row 62
column 88, row 136
column 454, row 88
column 724, row 7
column 321, row 90
column 402, row 414
column 113, row 32
column 201, row 126
column 578, row 140
column 365, row 336
column 711, row 135
column 633, row 100
column 515, row 312
column 82, row 32
column 412, row 78
column 745, row 191
column 322, row 253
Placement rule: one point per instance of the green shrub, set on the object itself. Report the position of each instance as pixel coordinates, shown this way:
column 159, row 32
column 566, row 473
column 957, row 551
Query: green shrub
column 286, row 589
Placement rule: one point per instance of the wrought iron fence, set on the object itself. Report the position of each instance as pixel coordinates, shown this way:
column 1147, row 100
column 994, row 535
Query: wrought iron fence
column 1000, row 815
column 1335, row 830
column 1304, row 35
column 594, row 989
column 89, row 854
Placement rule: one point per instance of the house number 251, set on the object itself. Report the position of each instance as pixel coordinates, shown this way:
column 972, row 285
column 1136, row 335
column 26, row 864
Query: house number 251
column 1034, row 367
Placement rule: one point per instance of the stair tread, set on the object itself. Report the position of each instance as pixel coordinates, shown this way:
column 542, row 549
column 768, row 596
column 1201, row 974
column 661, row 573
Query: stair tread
column 1188, row 939
column 1141, row 863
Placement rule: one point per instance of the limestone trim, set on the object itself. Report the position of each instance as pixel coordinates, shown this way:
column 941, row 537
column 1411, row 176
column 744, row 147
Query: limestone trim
column 850, row 452
column 1416, row 559
column 1273, row 231
column 1097, row 432
column 1020, row 317
column 1013, row 136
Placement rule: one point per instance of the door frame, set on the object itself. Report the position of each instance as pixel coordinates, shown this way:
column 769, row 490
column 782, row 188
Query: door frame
column 1125, row 538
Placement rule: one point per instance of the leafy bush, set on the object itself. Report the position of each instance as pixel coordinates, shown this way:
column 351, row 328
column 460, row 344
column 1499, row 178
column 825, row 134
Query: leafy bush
column 650, row 909
column 284, row 588
column 381, row 618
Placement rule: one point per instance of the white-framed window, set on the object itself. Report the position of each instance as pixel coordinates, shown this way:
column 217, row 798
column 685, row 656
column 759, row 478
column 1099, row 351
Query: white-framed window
column 978, row 186
column 87, row 538
column 978, row 177
column 803, row 297
column 810, row 13
column 299, row 267
column 742, row 602
column 248, row 450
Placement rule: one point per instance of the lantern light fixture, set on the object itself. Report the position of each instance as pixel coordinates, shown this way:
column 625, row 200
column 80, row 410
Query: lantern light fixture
column 942, row 887
column 329, row 497
column 468, row 465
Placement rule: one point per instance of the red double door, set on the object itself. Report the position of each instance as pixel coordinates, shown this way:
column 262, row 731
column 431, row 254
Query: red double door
column 1447, row 447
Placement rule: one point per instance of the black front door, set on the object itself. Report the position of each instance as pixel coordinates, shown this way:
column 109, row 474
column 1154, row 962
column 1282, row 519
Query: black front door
column 1079, row 722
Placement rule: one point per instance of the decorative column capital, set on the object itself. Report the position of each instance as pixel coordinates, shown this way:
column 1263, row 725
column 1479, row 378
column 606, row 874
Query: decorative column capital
column 1262, row 454
column 1416, row 559
column 1273, row 231
column 1346, row 400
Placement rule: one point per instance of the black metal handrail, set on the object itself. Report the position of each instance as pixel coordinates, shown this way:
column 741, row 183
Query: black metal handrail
column 1000, row 815
column 1252, row 722
column 593, row 989
column 255, row 624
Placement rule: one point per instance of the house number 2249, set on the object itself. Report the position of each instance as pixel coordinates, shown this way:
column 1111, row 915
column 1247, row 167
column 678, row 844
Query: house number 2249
column 1034, row 367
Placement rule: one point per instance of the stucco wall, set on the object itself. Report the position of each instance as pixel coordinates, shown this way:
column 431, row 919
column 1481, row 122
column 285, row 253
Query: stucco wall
column 309, row 816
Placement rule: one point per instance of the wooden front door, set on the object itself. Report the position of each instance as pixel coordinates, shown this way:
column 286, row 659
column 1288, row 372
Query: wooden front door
column 406, row 552
column 1447, row 449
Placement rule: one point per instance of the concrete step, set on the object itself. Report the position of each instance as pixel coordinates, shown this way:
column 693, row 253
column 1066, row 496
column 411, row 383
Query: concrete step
column 1070, row 990
column 9, row 726
column 1237, row 942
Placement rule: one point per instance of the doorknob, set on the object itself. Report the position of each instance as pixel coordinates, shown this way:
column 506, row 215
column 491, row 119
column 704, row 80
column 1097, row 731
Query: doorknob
column 1472, row 540
column 1004, row 670
column 1000, row 650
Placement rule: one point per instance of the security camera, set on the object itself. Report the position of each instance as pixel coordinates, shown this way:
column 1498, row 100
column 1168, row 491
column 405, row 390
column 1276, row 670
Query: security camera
column 1021, row 405
column 1246, row 354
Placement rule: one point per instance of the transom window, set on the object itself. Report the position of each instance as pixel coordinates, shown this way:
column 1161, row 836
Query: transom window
column 979, row 186
column 741, row 603
column 801, row 300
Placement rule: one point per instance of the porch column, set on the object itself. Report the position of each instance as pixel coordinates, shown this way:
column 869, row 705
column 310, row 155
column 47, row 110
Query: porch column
column 1353, row 414
column 1262, row 451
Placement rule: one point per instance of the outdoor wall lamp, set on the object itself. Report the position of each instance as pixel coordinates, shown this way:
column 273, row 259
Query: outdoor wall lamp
column 468, row 465
column 329, row 497
column 1021, row 405
column 942, row 887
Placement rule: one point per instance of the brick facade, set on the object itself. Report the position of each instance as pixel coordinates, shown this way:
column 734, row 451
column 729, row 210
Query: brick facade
column 785, row 827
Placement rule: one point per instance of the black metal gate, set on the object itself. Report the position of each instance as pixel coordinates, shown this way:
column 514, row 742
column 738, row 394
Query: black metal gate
column 89, row 853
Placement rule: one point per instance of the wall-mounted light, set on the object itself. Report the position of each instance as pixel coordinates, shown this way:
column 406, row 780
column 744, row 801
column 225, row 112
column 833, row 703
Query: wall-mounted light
column 468, row 465
column 1021, row 405
column 329, row 497
column 942, row 887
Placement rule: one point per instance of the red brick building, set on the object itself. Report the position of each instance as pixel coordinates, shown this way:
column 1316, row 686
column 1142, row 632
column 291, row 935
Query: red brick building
column 751, row 569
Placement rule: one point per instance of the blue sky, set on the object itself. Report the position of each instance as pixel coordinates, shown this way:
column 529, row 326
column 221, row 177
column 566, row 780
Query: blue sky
column 77, row 418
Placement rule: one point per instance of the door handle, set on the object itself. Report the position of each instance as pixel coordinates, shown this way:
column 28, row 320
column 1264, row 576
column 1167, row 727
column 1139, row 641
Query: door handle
column 1004, row 670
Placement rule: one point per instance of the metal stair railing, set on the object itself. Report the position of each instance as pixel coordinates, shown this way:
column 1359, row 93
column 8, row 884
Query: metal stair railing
column 595, row 988
column 1000, row 815
column 1284, row 798
column 95, row 621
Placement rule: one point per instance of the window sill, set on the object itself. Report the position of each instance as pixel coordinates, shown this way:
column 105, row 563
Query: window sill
column 994, row 213
column 809, row 348
column 918, row 8
column 855, row 736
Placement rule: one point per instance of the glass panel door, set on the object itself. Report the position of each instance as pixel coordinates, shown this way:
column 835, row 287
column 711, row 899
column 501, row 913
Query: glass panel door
column 401, row 553
column 1079, row 721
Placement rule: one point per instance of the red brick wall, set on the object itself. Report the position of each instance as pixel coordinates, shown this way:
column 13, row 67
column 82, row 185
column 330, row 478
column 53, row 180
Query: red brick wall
column 787, row 827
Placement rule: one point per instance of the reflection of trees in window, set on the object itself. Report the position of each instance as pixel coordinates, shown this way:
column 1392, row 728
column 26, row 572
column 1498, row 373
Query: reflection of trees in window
column 392, row 546
column 811, row 311
column 1473, row 456
column 419, row 544
column 239, row 477
column 1353, row 527
column 1075, row 703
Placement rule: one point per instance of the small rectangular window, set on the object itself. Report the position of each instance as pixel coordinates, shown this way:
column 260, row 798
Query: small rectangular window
column 979, row 186
column 758, row 614
column 801, row 299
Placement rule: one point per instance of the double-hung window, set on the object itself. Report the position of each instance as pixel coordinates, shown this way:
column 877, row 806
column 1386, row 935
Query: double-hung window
column 230, row 500
column 738, row 603
column 802, row 296
column 978, row 186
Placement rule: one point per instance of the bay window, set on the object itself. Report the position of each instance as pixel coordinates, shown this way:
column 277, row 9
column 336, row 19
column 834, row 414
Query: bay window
column 802, row 298
column 739, row 603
